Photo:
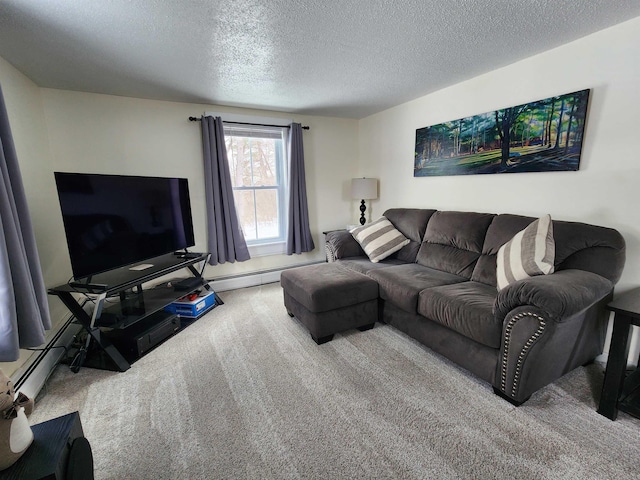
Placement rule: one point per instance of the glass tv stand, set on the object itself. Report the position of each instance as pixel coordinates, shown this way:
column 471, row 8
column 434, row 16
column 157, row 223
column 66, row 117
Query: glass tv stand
column 120, row 301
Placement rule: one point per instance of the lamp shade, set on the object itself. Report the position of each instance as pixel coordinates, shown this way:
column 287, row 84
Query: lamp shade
column 364, row 188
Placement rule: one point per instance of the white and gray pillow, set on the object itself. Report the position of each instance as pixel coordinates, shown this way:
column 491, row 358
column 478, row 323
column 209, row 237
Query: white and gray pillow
column 379, row 239
column 529, row 253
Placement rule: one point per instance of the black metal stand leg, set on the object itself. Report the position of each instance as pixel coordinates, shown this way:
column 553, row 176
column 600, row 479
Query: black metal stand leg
column 616, row 366
column 109, row 349
column 218, row 299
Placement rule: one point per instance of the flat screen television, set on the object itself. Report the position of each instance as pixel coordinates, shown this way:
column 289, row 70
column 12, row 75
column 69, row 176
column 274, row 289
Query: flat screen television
column 111, row 221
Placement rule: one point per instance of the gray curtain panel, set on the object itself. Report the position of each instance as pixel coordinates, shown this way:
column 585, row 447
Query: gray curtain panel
column 225, row 241
column 299, row 237
column 24, row 311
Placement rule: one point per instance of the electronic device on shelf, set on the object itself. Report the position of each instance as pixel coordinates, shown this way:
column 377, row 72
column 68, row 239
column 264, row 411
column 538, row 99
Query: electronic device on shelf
column 186, row 254
column 145, row 334
column 112, row 221
column 188, row 284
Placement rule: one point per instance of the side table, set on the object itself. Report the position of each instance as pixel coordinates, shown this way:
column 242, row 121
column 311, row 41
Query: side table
column 618, row 392
column 59, row 451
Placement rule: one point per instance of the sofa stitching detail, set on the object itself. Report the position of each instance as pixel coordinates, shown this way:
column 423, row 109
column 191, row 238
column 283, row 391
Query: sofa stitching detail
column 523, row 352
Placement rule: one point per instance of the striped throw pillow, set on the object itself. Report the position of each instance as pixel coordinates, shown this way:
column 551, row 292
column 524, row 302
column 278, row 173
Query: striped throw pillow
column 379, row 239
column 529, row 253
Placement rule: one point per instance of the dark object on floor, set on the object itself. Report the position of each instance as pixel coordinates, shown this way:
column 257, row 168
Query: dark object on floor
column 59, row 452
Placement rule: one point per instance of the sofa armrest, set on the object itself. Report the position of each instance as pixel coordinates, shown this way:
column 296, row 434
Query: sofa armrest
column 341, row 244
column 558, row 296
column 551, row 324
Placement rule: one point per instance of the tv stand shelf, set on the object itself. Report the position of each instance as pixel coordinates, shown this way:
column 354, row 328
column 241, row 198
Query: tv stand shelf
column 134, row 303
column 137, row 306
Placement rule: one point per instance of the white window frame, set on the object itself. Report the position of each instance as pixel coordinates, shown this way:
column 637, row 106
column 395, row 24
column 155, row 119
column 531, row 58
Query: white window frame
column 272, row 246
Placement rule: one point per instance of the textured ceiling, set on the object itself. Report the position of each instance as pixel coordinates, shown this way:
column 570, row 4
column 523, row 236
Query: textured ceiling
column 347, row 58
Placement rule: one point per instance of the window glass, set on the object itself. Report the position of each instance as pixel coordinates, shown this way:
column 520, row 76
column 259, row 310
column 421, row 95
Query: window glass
column 257, row 164
column 245, row 207
column 267, row 208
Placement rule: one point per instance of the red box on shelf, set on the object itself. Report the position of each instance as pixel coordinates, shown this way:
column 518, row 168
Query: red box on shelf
column 192, row 307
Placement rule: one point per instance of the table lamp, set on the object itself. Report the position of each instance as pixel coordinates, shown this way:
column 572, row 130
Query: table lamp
column 364, row 189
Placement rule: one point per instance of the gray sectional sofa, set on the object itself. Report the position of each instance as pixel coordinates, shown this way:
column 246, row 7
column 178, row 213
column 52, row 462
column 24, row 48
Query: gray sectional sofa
column 441, row 290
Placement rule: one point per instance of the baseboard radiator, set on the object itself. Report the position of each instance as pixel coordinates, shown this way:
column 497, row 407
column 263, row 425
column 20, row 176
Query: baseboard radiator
column 253, row 279
column 32, row 376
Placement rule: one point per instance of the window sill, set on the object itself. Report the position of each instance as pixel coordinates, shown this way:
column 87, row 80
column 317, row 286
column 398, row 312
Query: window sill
column 265, row 249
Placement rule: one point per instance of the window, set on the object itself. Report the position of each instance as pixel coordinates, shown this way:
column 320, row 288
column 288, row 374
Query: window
column 257, row 165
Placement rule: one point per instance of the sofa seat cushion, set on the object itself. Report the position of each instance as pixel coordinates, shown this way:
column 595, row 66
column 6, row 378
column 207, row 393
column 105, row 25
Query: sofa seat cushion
column 401, row 284
column 466, row 308
column 364, row 265
column 327, row 286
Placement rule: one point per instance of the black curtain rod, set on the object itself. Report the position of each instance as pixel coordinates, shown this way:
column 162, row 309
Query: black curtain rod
column 196, row 119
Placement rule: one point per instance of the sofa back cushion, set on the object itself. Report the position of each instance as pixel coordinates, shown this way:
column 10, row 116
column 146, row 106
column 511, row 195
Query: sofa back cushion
column 453, row 241
column 577, row 245
column 501, row 230
column 412, row 222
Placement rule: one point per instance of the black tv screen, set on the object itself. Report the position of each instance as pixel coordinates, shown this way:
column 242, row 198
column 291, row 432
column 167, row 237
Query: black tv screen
column 115, row 220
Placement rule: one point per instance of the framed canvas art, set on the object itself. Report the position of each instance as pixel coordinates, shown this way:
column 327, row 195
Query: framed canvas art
column 540, row 136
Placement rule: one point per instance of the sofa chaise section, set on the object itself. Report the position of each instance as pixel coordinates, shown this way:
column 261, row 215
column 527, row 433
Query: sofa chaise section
column 329, row 298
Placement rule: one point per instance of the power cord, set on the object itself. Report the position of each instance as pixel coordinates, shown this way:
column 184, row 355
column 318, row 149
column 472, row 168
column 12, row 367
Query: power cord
column 46, row 349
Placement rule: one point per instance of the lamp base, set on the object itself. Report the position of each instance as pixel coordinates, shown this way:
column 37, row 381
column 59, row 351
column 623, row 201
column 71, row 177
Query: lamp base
column 363, row 208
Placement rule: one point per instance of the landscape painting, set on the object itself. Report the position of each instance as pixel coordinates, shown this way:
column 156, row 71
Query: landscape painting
column 541, row 136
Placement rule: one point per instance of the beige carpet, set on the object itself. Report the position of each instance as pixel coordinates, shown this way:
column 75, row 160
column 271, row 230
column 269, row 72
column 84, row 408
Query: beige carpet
column 245, row 393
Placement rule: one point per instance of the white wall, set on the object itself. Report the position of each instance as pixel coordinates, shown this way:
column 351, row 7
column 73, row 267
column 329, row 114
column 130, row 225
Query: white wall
column 602, row 192
column 107, row 134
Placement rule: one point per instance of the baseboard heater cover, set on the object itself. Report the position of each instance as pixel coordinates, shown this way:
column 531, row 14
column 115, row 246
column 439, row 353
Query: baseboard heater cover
column 251, row 279
column 31, row 378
